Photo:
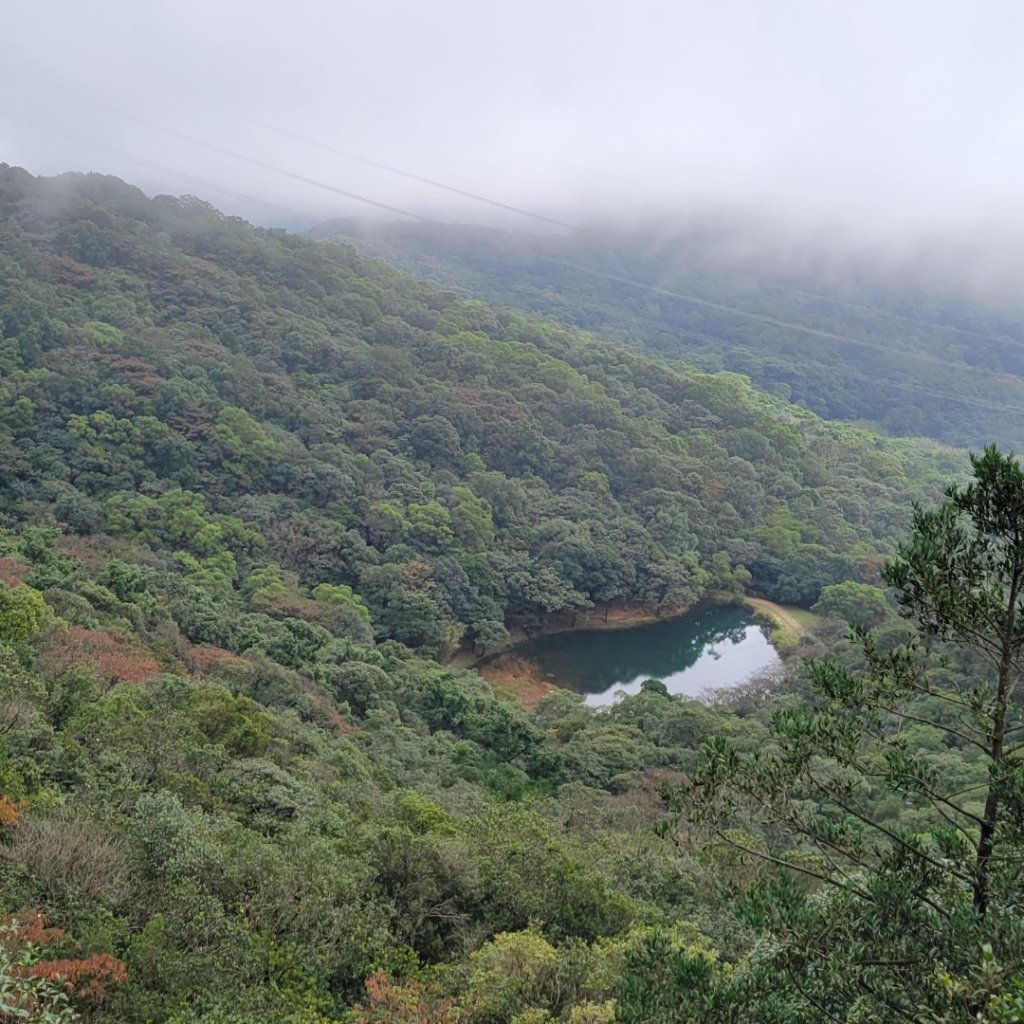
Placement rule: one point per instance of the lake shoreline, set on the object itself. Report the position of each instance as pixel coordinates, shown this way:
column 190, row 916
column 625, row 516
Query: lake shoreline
column 512, row 672
column 602, row 618
column 521, row 678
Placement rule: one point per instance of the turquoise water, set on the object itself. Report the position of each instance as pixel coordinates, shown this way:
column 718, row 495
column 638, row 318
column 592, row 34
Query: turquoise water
column 711, row 647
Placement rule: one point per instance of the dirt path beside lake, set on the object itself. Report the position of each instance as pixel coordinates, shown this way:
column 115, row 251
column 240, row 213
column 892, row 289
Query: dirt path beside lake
column 775, row 611
column 518, row 676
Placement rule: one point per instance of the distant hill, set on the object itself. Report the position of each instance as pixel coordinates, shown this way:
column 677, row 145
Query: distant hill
column 456, row 465
column 927, row 343
column 254, row 491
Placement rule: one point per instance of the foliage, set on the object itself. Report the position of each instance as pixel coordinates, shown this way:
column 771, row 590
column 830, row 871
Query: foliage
column 247, row 403
column 850, row 336
column 23, row 614
column 856, row 603
column 256, row 490
column 389, row 1002
column 45, row 991
column 893, row 927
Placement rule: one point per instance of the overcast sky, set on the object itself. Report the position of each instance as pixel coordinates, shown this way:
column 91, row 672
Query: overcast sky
column 877, row 113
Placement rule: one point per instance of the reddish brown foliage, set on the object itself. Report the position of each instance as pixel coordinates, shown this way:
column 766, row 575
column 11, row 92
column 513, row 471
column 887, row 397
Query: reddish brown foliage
column 200, row 661
column 11, row 572
column 116, row 657
column 410, row 1002
column 417, row 575
column 10, row 812
column 195, row 268
column 330, row 716
column 71, row 355
column 288, row 605
column 326, row 712
column 278, row 382
column 136, row 373
column 89, row 978
column 64, row 270
column 93, row 550
column 28, row 927
column 368, row 431
column 240, row 672
column 868, row 569
column 504, row 406
column 206, row 348
column 80, row 550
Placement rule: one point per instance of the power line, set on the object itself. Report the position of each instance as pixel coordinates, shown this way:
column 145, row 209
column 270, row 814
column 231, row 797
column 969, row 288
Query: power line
column 262, row 165
column 771, row 321
column 768, row 321
column 860, row 374
column 630, row 282
column 413, row 176
column 152, row 164
column 455, row 190
column 514, row 209
column 886, row 314
column 890, row 382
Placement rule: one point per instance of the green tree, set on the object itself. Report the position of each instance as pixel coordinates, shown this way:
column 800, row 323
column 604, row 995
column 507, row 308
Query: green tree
column 890, row 921
column 346, row 612
column 23, row 614
column 856, row 603
column 241, row 445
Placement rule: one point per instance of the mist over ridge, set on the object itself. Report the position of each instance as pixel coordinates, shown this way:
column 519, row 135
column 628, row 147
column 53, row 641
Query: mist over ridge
column 876, row 122
column 347, row 348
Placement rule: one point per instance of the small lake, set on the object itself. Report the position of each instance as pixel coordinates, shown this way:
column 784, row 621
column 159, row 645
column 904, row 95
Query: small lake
column 711, row 647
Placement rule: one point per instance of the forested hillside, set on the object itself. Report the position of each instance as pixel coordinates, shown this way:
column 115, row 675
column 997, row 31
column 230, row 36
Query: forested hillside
column 915, row 342
column 255, row 490
column 252, row 403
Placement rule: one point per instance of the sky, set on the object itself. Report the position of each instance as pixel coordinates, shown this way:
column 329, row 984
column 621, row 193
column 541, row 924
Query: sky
column 879, row 115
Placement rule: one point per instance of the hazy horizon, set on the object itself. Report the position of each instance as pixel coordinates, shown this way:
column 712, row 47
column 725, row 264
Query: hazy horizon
column 871, row 121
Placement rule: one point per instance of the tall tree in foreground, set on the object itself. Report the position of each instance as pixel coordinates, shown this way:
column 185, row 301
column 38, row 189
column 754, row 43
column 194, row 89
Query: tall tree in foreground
column 895, row 884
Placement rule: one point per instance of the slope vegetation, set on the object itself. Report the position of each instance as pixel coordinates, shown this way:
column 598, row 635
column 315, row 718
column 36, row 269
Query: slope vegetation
column 251, row 488
column 279, row 415
column 914, row 344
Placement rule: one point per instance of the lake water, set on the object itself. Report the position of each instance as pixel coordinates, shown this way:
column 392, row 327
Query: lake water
column 711, row 647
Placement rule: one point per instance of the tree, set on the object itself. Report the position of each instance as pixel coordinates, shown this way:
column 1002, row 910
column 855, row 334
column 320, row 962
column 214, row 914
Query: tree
column 513, row 972
column 37, row 989
column 25, row 995
column 23, row 614
column 962, row 579
column 389, row 1001
column 893, row 922
column 856, row 603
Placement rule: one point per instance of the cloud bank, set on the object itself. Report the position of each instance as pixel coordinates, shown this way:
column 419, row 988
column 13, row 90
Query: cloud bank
column 874, row 115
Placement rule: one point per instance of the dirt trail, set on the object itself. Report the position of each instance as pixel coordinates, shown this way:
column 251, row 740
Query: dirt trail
column 777, row 612
column 518, row 676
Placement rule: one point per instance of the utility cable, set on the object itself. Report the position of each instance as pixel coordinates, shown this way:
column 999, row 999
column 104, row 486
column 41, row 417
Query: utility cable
column 455, row 190
column 261, row 164
column 153, row 165
column 630, row 282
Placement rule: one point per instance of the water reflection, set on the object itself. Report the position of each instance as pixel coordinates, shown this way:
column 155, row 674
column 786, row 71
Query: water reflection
column 712, row 647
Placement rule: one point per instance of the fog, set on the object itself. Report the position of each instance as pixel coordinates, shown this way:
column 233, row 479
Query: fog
column 872, row 117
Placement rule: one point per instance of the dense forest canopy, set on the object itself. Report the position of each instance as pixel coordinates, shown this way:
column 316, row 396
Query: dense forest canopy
column 254, row 403
column 255, row 490
column 907, row 341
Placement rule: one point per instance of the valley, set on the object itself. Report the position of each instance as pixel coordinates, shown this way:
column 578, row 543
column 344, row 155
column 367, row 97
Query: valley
column 263, row 498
